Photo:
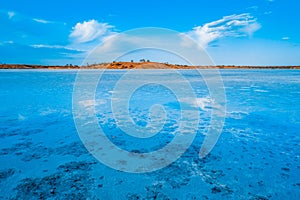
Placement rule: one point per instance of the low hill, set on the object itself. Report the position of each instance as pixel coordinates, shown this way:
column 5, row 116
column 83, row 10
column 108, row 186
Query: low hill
column 139, row 65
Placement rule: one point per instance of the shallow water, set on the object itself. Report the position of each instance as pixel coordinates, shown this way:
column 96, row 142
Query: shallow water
column 257, row 155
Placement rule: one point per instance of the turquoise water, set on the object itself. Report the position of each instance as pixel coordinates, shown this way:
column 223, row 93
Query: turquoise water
column 256, row 157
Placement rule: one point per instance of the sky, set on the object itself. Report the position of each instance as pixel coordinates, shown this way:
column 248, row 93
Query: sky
column 233, row 32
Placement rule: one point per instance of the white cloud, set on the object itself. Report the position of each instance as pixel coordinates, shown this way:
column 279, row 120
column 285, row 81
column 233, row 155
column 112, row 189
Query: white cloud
column 11, row 14
column 53, row 47
column 285, row 38
column 41, row 21
column 47, row 46
column 251, row 28
column 253, row 7
column 229, row 26
column 8, row 42
column 89, row 31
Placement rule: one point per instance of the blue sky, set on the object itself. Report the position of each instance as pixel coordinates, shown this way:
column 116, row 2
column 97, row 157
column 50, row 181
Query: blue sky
column 248, row 32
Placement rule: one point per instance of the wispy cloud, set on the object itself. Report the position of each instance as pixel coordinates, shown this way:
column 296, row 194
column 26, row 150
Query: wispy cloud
column 11, row 14
column 89, row 31
column 229, row 26
column 53, row 47
column 6, row 42
column 21, row 17
column 285, row 38
column 42, row 21
column 250, row 28
column 253, row 8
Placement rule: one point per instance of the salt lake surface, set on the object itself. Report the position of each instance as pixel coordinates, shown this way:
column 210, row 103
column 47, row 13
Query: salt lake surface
column 256, row 157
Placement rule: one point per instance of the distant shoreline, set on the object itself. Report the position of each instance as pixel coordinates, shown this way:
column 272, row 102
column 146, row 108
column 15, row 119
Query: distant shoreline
column 139, row 65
